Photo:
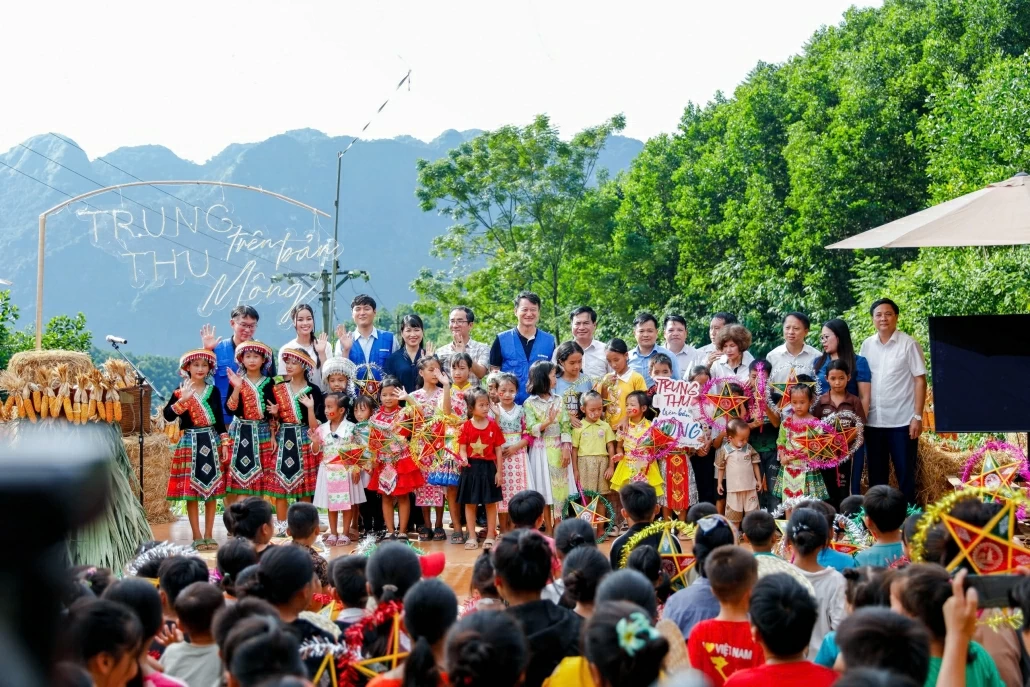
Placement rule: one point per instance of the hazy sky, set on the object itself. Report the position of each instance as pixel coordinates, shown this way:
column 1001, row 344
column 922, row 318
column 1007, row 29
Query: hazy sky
column 196, row 76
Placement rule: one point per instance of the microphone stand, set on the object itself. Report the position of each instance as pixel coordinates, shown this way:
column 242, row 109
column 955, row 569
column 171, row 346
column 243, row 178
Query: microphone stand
column 141, row 381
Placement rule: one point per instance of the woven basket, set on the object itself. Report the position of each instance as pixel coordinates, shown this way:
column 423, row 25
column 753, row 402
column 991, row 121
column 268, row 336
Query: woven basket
column 130, row 414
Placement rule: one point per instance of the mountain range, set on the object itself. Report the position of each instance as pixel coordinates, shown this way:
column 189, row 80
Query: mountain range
column 154, row 263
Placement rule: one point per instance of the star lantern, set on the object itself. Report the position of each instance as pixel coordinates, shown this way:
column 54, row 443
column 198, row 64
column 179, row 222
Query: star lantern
column 994, row 475
column 592, row 513
column 988, row 550
column 394, row 654
column 676, row 563
column 721, row 403
column 785, row 386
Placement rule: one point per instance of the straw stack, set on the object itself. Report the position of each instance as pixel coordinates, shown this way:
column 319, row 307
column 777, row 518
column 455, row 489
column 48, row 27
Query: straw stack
column 26, row 363
column 157, row 461
column 935, row 465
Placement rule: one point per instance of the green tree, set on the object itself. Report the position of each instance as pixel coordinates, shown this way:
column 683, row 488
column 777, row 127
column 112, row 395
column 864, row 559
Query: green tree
column 520, row 198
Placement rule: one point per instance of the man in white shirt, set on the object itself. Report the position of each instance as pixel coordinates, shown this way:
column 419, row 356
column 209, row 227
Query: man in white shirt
column 794, row 355
column 707, row 354
column 461, row 321
column 584, row 323
column 645, row 329
column 676, row 341
column 898, row 395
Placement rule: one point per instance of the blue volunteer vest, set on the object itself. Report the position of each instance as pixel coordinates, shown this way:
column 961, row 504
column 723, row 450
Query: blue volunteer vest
column 382, row 347
column 225, row 360
column 514, row 356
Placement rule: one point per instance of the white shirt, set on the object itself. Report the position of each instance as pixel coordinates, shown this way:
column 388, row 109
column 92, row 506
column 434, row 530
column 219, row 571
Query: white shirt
column 781, row 361
column 894, row 365
column 721, row 368
column 195, row 665
column 684, row 359
column 829, row 592
column 366, row 343
column 595, row 359
column 701, row 358
column 315, row 375
column 477, row 350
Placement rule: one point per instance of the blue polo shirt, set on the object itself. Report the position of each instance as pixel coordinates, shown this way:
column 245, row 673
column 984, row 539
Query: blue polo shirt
column 638, row 362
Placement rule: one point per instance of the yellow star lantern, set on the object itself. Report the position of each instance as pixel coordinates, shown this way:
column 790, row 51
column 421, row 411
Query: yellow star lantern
column 592, row 513
column 681, row 563
column 785, row 386
column 994, row 475
column 393, row 656
column 988, row 550
column 726, row 403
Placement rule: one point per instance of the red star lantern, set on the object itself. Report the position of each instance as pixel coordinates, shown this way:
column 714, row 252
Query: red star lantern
column 727, row 403
column 994, row 475
column 785, row 386
column 988, row 550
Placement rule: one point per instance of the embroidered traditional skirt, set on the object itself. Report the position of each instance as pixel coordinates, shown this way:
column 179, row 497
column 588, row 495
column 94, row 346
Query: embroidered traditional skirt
column 250, row 443
column 793, row 480
column 398, row 477
column 196, row 471
column 295, row 471
column 514, row 477
column 677, row 481
column 336, row 488
column 445, row 474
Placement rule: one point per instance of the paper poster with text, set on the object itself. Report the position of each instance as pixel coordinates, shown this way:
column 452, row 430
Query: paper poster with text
column 678, row 402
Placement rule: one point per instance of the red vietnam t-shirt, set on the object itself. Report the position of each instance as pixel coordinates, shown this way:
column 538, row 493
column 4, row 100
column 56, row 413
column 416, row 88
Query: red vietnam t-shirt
column 720, row 648
column 481, row 444
column 788, row 674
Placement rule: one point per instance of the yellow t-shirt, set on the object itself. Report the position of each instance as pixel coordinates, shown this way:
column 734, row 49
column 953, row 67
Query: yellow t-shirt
column 591, row 439
column 625, row 384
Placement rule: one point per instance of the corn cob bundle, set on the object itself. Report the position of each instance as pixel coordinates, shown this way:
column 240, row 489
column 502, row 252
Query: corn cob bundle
column 27, row 403
column 95, row 379
column 118, row 372
column 63, row 378
column 97, row 396
column 113, row 406
column 12, row 384
column 81, row 401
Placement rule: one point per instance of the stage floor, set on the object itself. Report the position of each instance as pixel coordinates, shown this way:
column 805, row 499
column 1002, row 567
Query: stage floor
column 457, row 574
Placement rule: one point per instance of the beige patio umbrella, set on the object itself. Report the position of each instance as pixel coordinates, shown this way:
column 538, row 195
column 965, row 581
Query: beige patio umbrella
column 998, row 215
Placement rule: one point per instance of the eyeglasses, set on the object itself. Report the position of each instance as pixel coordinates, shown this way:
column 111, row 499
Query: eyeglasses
column 458, row 321
column 243, row 325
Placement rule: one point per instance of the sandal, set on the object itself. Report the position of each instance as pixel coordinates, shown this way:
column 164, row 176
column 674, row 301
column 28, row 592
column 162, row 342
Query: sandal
column 344, row 540
column 402, row 537
column 332, row 540
column 424, row 534
column 392, row 536
column 197, row 543
column 457, row 537
column 439, row 534
column 488, row 544
column 471, row 545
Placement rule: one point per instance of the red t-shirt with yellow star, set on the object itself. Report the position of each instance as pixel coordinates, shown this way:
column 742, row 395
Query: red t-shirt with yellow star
column 481, row 444
column 720, row 648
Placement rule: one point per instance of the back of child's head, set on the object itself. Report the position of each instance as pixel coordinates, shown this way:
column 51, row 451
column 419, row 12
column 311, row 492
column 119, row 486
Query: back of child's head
column 95, row 579
column 620, row 641
column 231, row 614
column 196, row 607
column 737, row 428
column 807, row 531
column 260, row 648
column 244, row 518
column 759, row 526
column 851, row 505
column 927, row 586
column 486, row 650
column 243, row 579
column 639, row 500
column 142, row 598
column 712, row 532
column 867, row 586
column 909, row 527
column 701, row 509
column 732, row 572
column 885, row 507
column 233, row 556
column 151, row 555
column 482, row 582
column 880, row 638
column 366, row 403
column 583, row 571
column 540, row 377
column 302, row 519
column 430, row 608
column 179, row 572
column 646, row 559
column 526, row 508
column 347, row 573
column 101, row 626
column 783, row 614
column 572, row 533
column 874, row 677
column 391, row 571
column 522, row 561
column 628, row 585
column 282, row 573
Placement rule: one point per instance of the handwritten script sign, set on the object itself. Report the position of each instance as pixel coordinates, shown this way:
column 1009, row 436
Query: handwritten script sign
column 235, row 264
column 679, row 401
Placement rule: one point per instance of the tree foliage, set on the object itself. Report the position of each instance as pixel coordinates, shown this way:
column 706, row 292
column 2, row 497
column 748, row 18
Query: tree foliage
column 63, row 332
column 892, row 110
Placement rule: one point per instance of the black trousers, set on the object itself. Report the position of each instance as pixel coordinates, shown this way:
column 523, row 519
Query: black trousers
column 371, row 512
column 892, row 445
column 704, row 473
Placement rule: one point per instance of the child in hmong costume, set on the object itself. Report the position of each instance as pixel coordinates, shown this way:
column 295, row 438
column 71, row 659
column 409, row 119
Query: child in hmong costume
column 250, row 437
column 794, row 478
column 551, row 452
column 512, row 421
column 196, row 471
column 338, row 374
column 394, row 473
column 432, row 398
column 299, row 409
column 341, row 480
column 635, row 465
column 370, row 514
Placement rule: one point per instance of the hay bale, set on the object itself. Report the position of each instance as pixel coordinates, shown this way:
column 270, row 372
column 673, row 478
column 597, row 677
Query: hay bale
column 157, row 463
column 935, row 465
column 30, row 361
